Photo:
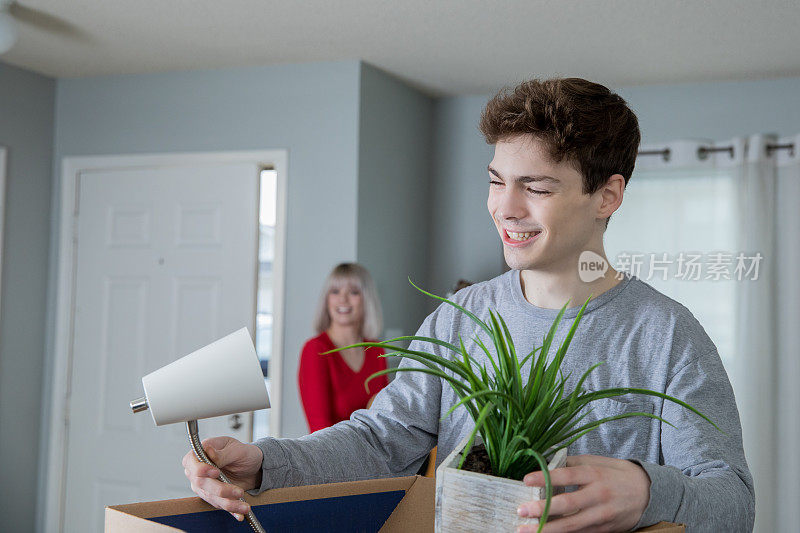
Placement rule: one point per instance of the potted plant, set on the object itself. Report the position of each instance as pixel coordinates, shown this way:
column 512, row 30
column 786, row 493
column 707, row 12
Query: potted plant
column 521, row 425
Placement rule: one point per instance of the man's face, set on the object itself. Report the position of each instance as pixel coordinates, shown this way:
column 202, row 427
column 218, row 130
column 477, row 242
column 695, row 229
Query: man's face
column 541, row 213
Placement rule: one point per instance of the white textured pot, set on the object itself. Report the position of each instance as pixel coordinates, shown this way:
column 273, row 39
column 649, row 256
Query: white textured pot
column 468, row 501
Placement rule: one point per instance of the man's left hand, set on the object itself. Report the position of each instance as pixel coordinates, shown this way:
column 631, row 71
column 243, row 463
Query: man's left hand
column 612, row 495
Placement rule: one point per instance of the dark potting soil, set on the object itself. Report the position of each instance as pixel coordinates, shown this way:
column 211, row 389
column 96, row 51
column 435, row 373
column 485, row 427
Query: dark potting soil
column 478, row 461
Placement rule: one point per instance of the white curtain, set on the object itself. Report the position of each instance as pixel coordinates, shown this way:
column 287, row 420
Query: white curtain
column 733, row 210
column 754, row 373
column 787, row 360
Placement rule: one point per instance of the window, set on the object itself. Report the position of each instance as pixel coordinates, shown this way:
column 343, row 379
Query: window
column 265, row 298
column 674, row 212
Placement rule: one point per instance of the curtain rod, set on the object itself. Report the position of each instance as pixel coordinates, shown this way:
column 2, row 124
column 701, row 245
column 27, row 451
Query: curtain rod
column 703, row 151
column 772, row 147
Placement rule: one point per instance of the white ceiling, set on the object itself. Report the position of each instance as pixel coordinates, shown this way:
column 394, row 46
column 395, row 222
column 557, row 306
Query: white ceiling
column 444, row 47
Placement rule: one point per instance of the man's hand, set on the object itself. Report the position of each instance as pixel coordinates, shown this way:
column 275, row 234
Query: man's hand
column 240, row 462
column 612, row 495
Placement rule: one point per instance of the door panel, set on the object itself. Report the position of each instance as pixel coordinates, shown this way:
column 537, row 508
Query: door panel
column 165, row 263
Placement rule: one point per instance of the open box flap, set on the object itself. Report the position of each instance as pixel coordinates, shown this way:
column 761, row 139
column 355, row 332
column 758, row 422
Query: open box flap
column 313, row 503
column 416, row 508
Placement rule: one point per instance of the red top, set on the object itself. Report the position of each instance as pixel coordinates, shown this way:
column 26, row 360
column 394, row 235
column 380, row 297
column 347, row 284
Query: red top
column 330, row 390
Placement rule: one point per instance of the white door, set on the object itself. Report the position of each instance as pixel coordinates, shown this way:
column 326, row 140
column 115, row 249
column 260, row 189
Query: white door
column 165, row 263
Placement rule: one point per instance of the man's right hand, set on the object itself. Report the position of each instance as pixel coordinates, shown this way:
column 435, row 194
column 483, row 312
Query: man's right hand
column 240, row 462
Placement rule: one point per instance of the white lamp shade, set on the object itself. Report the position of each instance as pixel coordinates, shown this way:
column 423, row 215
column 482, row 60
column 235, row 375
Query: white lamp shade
column 219, row 379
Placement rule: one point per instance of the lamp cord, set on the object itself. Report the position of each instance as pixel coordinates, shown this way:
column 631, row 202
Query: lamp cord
column 194, row 439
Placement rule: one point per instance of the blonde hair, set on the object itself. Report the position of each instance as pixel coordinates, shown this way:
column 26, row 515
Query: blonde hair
column 372, row 328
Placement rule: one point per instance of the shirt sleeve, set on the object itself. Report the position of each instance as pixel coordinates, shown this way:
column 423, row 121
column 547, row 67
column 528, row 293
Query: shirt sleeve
column 315, row 385
column 704, row 482
column 390, row 439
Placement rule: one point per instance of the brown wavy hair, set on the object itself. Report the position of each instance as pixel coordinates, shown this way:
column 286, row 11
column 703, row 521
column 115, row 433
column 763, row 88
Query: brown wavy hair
column 577, row 120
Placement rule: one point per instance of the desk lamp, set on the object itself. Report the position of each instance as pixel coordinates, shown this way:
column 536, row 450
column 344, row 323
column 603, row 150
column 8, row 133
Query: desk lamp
column 219, row 379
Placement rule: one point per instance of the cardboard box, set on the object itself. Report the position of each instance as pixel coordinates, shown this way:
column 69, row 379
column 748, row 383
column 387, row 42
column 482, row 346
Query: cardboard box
column 387, row 505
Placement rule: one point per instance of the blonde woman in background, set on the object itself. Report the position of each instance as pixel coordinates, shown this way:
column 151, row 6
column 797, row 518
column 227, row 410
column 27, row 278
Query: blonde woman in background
column 349, row 312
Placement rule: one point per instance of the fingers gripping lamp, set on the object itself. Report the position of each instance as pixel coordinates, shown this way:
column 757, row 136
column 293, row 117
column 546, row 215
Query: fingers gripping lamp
column 219, row 379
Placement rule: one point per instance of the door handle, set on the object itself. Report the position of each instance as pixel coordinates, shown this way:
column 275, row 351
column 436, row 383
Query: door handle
column 235, row 421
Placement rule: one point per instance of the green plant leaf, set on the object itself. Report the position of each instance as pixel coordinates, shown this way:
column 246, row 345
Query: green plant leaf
column 478, row 394
column 478, row 424
column 474, row 318
column 528, row 357
column 562, row 350
column 431, row 340
column 608, row 393
column 583, row 430
column 480, row 343
column 435, row 372
column 548, row 486
column 428, row 359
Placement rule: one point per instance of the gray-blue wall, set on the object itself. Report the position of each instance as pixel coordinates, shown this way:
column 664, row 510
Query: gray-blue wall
column 26, row 130
column 310, row 109
column 394, row 165
column 716, row 111
column 465, row 242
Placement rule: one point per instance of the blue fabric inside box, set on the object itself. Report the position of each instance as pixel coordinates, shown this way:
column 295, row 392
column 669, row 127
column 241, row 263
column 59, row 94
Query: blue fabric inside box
column 360, row 512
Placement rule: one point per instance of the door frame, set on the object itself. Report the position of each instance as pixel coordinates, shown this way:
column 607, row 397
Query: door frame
column 3, row 163
column 71, row 167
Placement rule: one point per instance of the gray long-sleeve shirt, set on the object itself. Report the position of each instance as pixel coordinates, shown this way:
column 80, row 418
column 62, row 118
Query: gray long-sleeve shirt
column 698, row 475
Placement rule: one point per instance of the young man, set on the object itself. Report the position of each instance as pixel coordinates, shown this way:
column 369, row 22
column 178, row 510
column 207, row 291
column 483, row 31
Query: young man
column 564, row 151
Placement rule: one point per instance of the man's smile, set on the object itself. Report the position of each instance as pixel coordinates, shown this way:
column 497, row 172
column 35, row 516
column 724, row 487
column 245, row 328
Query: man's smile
column 513, row 238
